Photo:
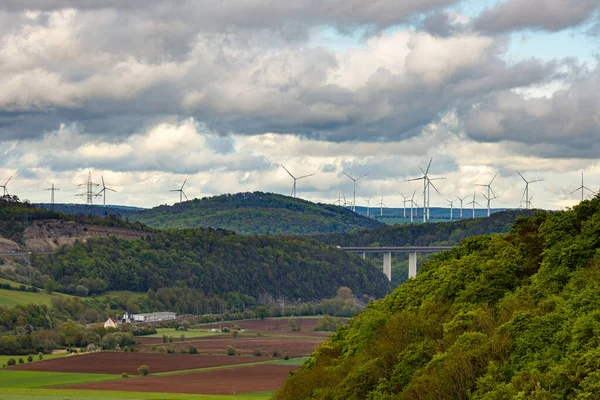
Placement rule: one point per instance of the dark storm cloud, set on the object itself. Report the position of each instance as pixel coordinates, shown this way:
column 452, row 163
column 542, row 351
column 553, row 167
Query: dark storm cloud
column 443, row 24
column 548, row 15
column 567, row 123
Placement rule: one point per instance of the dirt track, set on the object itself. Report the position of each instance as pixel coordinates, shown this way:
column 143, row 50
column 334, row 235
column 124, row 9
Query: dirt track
column 256, row 378
column 119, row 362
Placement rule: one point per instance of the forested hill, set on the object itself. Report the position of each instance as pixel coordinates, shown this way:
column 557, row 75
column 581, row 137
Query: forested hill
column 215, row 262
column 513, row 316
column 255, row 213
column 439, row 233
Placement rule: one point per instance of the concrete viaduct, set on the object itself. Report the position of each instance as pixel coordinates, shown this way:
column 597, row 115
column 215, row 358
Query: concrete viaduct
column 387, row 255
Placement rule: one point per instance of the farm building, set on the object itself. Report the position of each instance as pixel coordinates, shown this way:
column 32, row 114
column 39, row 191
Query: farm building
column 110, row 323
column 149, row 317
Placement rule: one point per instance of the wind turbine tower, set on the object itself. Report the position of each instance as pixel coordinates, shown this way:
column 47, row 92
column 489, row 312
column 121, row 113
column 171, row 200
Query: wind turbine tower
column 103, row 191
column 461, row 204
column 412, row 202
column 181, row 192
column 368, row 205
column 5, row 187
column 451, row 202
column 474, row 202
column 490, row 193
column 406, row 199
column 295, row 179
column 426, row 185
column 526, row 192
column 582, row 187
column 52, row 190
column 354, row 188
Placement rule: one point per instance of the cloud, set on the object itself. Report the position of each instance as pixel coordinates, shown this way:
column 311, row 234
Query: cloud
column 547, row 15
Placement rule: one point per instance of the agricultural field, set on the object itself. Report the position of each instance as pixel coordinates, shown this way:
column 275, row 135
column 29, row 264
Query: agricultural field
column 209, row 375
column 4, row 358
column 10, row 298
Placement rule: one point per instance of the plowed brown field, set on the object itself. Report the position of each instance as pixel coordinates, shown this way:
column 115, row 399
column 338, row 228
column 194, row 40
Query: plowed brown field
column 255, row 378
column 119, row 362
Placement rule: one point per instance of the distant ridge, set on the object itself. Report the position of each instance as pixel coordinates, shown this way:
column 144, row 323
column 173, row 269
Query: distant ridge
column 256, row 213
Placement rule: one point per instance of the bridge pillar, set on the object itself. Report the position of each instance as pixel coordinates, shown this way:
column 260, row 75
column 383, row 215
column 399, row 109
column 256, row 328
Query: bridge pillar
column 387, row 265
column 364, row 255
column 412, row 265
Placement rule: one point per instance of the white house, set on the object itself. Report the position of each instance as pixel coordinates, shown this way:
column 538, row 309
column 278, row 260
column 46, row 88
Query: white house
column 110, row 323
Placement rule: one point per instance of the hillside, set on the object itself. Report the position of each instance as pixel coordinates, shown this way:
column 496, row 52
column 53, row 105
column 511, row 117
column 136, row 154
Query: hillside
column 98, row 210
column 439, row 233
column 255, row 213
column 215, row 262
column 25, row 227
column 511, row 316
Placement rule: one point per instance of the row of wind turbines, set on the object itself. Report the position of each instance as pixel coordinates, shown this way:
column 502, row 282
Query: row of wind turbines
column 427, row 185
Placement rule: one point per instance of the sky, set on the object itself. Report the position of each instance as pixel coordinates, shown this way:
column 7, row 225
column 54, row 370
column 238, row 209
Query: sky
column 149, row 93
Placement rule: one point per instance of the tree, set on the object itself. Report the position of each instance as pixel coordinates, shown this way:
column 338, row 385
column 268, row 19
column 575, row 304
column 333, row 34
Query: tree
column 262, row 312
column 144, row 370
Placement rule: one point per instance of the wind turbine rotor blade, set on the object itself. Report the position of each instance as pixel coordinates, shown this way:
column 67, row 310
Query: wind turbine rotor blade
column 522, row 177
column 587, row 188
column 424, row 173
column 8, row 181
column 492, row 190
column 428, row 166
column 578, row 189
column 434, row 187
column 102, row 177
column 184, row 195
column 362, row 176
column 184, row 182
column 174, row 190
column 348, row 176
column 305, row 176
column 524, row 191
column 286, row 170
column 415, row 179
column 537, row 180
column 493, row 179
column 112, row 190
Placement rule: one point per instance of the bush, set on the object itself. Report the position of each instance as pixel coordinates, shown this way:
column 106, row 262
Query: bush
column 11, row 361
column 230, row 350
column 131, row 349
column 21, row 361
column 193, row 350
column 182, row 337
column 275, row 353
column 257, row 353
column 29, row 358
column 235, row 334
column 225, row 329
column 165, row 338
column 286, row 357
column 40, row 356
column 124, row 375
column 144, row 370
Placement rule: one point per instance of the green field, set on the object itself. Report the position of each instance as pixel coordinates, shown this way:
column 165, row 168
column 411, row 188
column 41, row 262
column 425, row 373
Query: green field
column 4, row 358
column 190, row 333
column 36, row 379
column 62, row 394
column 10, row 298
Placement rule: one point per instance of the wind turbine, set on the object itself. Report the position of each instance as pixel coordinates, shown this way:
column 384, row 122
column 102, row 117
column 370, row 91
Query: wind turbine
column 406, row 199
column 368, row 205
column 181, row 192
column 104, row 189
column 582, row 187
column 381, row 204
column 490, row 192
column 412, row 202
column 425, row 181
column 295, row 179
column 474, row 202
column 451, row 202
column 338, row 202
column 461, row 204
column 5, row 187
column 354, row 189
column 526, row 192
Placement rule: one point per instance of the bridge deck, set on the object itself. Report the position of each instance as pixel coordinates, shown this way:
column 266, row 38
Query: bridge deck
column 390, row 249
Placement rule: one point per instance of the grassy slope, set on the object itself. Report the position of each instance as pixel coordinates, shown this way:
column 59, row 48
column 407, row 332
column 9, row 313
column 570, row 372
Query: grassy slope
column 4, row 358
column 257, row 212
column 10, row 298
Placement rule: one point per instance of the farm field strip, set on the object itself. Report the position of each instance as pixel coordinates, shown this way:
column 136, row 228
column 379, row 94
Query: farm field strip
column 36, row 379
column 297, row 361
column 4, row 358
column 190, row 333
column 72, row 394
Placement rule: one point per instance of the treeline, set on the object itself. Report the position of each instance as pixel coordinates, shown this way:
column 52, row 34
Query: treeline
column 498, row 317
column 256, row 213
column 215, row 262
column 15, row 216
column 440, row 233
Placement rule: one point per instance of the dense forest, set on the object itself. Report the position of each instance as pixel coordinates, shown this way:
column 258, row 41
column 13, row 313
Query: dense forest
column 256, row 213
column 440, row 233
column 512, row 316
column 15, row 216
column 215, row 261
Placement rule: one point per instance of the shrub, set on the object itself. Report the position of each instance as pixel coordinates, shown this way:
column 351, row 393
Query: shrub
column 182, row 337
column 235, row 334
column 131, row 349
column 193, row 350
column 230, row 350
column 144, row 370
column 125, row 349
column 236, row 327
column 275, row 353
column 11, row 361
column 153, row 347
column 286, row 357
column 124, row 375
column 225, row 329
column 21, row 361
column 165, row 338
column 29, row 358
column 257, row 353
column 40, row 356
